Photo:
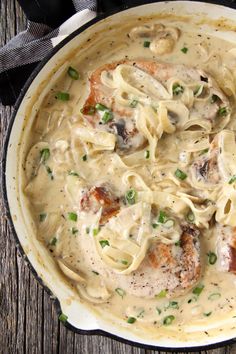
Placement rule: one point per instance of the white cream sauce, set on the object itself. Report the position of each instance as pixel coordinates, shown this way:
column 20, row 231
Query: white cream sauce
column 54, row 194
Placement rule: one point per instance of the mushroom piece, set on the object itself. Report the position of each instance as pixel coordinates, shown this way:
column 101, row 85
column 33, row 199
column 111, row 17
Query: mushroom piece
column 69, row 271
column 162, row 46
column 146, row 31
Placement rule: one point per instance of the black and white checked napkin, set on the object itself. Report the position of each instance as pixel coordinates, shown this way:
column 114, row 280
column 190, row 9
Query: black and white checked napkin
column 49, row 21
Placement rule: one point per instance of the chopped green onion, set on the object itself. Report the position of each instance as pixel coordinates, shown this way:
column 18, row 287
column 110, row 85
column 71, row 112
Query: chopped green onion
column 94, row 272
column 72, row 216
column 198, row 290
column 212, row 258
column 88, row 110
column 203, row 152
column 49, row 172
column 84, row 158
column 232, row 179
column 168, row 320
column 73, row 73
column 131, row 196
column 63, row 318
column 162, row 217
column 214, row 98
column 95, row 232
column 101, row 107
column 155, row 225
column 42, row 217
column 161, row 294
column 180, row 174
column 177, row 89
column 44, row 155
column 158, row 310
column 73, row 173
column 173, row 305
column 107, row 116
column 53, row 241
column 178, row 243
column 184, row 50
column 131, row 320
column 123, row 261
column 74, row 230
column 207, row 314
column 146, row 44
column 120, row 292
column 63, row 96
column 147, row 154
column 223, row 111
column 168, row 224
column 133, row 104
column 103, row 243
column 214, row 296
column 87, row 230
column 190, row 217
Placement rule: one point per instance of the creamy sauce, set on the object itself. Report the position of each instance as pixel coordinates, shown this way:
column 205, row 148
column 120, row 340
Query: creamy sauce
column 56, row 181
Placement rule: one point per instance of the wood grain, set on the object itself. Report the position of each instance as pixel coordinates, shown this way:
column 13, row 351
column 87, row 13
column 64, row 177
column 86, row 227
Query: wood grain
column 28, row 320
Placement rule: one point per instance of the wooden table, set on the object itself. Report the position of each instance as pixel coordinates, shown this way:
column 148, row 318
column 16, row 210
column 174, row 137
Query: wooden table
column 28, row 320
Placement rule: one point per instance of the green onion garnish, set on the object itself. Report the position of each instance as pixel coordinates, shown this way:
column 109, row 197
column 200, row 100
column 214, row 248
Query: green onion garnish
column 103, row 243
column 184, row 50
column 147, row 154
column 155, row 225
column 73, row 73
column 158, row 310
column 180, row 174
column 120, row 292
column 44, row 155
column 131, row 320
column 101, row 107
column 87, row 230
column 94, row 272
column 214, row 98
column 223, row 111
column 49, row 172
column 232, row 179
column 123, row 261
column 146, row 44
column 63, row 96
column 161, row 294
column 173, row 305
column 212, row 258
column 198, row 290
column 73, row 173
column 190, row 217
column 177, row 89
column 72, row 216
column 168, row 320
column 84, row 158
column 63, row 318
column 133, row 104
column 42, row 217
column 53, row 241
column 178, row 243
column 95, row 232
column 74, row 230
column 162, row 217
column 107, row 116
column 207, row 314
column 214, row 296
column 131, row 196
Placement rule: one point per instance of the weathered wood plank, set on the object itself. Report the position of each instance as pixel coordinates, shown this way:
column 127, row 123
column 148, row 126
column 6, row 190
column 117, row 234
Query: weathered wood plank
column 28, row 320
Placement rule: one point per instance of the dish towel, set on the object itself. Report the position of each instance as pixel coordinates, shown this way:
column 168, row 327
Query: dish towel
column 49, row 22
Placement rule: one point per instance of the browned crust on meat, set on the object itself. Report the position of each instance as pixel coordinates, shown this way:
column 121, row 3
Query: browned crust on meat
column 98, row 197
column 188, row 266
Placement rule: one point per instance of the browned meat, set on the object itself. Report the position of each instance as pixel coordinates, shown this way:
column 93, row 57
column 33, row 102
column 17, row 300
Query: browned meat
column 97, row 197
column 226, row 248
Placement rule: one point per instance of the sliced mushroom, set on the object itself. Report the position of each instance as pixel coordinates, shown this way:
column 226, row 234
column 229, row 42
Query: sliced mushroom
column 162, row 46
column 146, row 31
